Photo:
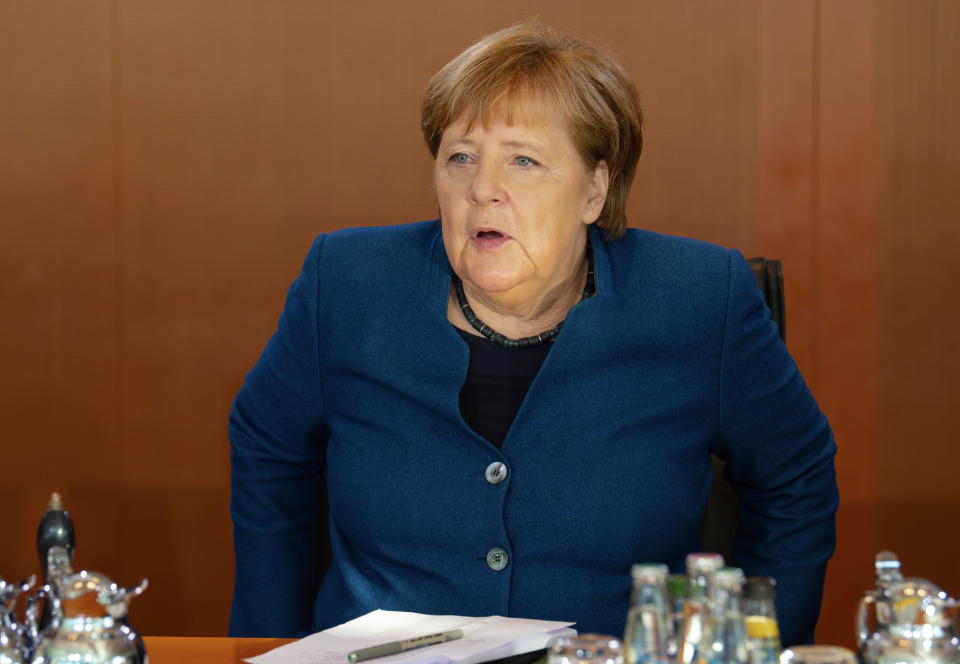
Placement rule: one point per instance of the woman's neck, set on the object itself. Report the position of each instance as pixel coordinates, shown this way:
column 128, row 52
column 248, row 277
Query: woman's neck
column 516, row 314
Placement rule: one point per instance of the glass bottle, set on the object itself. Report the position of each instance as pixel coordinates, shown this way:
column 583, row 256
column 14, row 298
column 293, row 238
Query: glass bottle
column 677, row 589
column 699, row 568
column 649, row 629
column 724, row 638
column 763, row 633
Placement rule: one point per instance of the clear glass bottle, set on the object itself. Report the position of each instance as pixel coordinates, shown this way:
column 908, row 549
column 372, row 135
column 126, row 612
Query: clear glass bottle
column 699, row 568
column 724, row 638
column 649, row 627
column 677, row 589
column 763, row 632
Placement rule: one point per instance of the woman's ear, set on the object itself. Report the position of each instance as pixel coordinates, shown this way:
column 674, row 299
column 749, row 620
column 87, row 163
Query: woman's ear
column 596, row 192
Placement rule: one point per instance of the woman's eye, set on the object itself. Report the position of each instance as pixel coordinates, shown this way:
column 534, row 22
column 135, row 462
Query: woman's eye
column 525, row 161
column 459, row 158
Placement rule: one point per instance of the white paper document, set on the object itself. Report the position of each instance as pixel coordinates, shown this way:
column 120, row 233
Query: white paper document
column 483, row 639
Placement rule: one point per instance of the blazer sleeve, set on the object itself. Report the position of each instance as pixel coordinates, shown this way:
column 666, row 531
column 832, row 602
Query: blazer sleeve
column 780, row 459
column 277, row 454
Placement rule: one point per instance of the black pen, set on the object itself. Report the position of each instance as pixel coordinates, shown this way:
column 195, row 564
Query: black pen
column 396, row 647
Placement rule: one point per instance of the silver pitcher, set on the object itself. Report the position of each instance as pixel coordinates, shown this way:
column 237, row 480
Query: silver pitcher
column 88, row 622
column 13, row 639
column 914, row 620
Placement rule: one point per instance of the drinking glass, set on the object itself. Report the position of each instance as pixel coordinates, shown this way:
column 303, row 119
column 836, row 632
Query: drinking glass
column 585, row 649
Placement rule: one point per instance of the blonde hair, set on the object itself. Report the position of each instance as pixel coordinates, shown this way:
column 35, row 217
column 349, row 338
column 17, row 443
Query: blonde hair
column 595, row 99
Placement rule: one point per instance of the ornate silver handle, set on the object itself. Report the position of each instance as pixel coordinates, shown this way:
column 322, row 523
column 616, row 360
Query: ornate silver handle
column 32, row 622
column 863, row 632
column 9, row 592
column 117, row 599
column 28, row 583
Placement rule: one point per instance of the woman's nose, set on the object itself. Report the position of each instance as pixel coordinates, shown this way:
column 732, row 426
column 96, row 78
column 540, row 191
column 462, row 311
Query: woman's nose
column 486, row 187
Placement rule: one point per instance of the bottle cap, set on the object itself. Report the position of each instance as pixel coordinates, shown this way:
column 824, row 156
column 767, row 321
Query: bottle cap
column 703, row 563
column 649, row 573
column 728, row 577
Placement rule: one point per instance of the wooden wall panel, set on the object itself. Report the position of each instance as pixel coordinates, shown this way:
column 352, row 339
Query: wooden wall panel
column 844, row 334
column 785, row 162
column 164, row 166
column 59, row 320
column 917, row 145
column 695, row 66
column 888, row 367
column 916, row 456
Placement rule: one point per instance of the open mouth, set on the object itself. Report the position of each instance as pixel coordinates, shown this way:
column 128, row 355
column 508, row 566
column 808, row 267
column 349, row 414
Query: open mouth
column 488, row 239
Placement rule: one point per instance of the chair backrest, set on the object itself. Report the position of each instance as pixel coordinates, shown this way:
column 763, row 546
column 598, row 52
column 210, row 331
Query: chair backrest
column 718, row 523
column 769, row 275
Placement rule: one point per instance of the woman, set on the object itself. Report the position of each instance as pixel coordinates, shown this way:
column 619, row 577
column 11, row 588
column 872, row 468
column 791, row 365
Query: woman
column 513, row 404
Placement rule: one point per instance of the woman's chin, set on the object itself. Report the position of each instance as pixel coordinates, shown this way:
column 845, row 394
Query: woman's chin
column 492, row 283
column 494, row 272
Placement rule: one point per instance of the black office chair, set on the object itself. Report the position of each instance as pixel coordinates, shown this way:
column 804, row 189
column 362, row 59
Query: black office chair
column 769, row 275
column 718, row 523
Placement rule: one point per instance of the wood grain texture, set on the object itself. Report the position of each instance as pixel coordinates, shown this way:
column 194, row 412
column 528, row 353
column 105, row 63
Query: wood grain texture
column 845, row 332
column 206, row 650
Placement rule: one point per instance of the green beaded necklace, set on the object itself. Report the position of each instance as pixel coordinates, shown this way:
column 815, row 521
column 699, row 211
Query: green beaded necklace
column 589, row 290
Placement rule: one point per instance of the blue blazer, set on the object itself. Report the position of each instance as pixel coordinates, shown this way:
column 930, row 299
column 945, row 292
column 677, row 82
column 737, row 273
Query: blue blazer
column 608, row 460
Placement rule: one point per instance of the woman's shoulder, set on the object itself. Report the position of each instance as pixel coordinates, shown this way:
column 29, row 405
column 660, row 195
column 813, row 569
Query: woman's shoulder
column 648, row 257
column 374, row 249
column 655, row 246
column 409, row 238
column 682, row 283
column 361, row 261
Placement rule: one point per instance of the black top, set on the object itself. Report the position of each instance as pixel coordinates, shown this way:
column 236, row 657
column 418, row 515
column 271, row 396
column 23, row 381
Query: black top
column 497, row 381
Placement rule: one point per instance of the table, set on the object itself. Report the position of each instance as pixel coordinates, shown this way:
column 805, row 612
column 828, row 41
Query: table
column 205, row 650
column 222, row 650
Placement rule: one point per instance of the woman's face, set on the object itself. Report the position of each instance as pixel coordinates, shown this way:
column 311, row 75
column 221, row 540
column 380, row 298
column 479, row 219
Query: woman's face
column 515, row 201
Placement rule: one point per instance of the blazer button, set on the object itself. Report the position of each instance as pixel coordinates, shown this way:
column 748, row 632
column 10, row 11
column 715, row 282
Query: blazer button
column 496, row 472
column 497, row 558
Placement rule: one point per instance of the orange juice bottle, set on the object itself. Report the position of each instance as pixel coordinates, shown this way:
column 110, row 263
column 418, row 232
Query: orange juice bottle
column 763, row 633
